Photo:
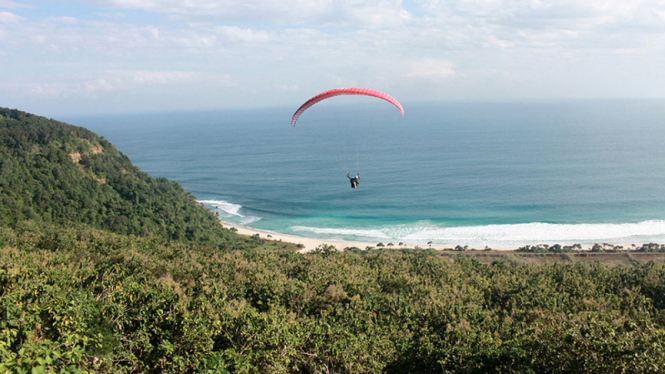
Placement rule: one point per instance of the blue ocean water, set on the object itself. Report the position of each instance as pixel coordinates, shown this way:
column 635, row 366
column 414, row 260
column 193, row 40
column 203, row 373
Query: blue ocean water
column 477, row 174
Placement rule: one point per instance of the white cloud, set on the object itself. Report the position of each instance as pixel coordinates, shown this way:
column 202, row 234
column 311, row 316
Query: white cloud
column 9, row 4
column 64, row 20
column 277, row 11
column 93, row 83
column 431, row 69
column 146, row 77
column 243, row 35
column 374, row 14
column 67, row 35
column 94, row 86
column 329, row 13
column 564, row 23
column 110, row 81
column 117, row 16
column 292, row 46
column 8, row 17
column 41, row 90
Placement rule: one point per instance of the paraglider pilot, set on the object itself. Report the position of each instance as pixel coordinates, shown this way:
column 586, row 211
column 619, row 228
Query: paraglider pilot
column 355, row 180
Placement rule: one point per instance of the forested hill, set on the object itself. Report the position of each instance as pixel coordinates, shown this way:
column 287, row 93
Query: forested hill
column 55, row 173
column 77, row 298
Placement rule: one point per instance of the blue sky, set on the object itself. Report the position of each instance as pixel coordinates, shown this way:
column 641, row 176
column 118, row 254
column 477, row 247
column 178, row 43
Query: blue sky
column 102, row 56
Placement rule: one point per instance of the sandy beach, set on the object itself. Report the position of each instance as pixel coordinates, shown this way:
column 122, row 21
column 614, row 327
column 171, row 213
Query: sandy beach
column 311, row 243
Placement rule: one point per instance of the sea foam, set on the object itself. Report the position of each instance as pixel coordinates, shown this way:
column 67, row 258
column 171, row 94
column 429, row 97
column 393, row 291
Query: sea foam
column 229, row 210
column 343, row 232
column 501, row 235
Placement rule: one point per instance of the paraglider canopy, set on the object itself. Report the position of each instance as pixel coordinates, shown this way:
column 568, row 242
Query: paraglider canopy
column 344, row 91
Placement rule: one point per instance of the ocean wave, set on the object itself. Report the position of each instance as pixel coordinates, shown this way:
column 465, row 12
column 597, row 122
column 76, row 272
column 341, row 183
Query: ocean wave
column 345, row 232
column 506, row 235
column 229, row 210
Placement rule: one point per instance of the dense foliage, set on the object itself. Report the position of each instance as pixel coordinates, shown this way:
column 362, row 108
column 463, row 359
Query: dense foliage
column 104, row 269
column 87, row 300
column 544, row 248
column 53, row 172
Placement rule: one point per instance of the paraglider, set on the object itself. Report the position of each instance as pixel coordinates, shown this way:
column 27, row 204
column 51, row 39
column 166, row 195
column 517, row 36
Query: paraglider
column 344, row 91
column 354, row 181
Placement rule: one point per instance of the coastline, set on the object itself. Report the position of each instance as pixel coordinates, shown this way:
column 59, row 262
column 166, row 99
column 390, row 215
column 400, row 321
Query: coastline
column 311, row 243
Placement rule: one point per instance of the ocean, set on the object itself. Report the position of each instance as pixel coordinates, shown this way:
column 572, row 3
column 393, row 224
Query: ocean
column 456, row 173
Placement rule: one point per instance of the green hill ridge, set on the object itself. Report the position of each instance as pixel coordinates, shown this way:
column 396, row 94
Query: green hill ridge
column 52, row 172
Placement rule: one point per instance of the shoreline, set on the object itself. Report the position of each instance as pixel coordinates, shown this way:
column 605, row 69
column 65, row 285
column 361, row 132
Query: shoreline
column 615, row 236
column 311, row 243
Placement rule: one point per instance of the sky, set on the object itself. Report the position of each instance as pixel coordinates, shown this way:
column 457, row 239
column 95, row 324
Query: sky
column 112, row 56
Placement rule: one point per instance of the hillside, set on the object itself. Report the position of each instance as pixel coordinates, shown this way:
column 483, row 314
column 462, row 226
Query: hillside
column 104, row 269
column 55, row 173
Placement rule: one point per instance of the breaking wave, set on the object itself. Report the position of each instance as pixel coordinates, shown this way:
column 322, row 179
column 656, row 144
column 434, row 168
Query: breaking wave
column 229, row 211
column 500, row 235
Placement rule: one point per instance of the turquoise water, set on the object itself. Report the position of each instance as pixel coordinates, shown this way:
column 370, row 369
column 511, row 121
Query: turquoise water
column 495, row 174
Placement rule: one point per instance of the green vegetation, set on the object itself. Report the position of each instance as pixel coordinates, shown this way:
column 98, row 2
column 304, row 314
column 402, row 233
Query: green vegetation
column 52, row 172
column 169, row 291
column 89, row 300
column 544, row 248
